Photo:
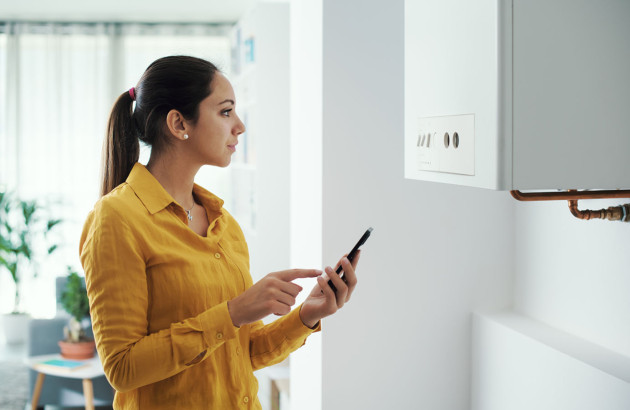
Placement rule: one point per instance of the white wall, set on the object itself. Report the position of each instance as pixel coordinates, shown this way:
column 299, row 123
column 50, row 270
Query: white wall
column 437, row 252
column 566, row 346
column 306, row 183
column 572, row 280
column 573, row 274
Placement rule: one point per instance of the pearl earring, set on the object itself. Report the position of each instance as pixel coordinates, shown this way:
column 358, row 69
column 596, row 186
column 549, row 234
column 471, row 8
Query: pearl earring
column 185, row 136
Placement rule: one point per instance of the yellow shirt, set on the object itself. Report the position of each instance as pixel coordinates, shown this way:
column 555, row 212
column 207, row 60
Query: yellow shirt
column 158, row 299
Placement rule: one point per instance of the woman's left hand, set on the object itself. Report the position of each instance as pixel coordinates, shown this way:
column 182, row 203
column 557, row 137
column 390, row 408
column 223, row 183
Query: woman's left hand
column 323, row 301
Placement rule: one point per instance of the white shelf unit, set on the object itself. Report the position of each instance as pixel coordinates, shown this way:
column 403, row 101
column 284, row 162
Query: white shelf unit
column 260, row 167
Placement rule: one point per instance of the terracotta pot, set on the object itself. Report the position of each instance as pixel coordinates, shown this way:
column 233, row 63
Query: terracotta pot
column 77, row 350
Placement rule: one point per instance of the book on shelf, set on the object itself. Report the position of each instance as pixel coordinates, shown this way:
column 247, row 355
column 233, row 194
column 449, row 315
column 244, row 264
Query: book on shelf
column 63, row 365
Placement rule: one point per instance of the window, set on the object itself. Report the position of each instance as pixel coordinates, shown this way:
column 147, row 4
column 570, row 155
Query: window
column 57, row 85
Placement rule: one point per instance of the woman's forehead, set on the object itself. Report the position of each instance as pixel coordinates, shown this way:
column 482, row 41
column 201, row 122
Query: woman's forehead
column 221, row 88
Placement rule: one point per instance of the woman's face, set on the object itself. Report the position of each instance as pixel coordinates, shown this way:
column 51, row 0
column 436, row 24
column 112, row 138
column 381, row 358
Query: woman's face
column 214, row 137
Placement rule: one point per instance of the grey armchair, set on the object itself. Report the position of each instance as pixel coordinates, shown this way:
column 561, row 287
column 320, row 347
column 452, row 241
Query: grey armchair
column 58, row 391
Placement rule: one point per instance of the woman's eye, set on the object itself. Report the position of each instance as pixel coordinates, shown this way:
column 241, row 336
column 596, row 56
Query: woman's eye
column 226, row 113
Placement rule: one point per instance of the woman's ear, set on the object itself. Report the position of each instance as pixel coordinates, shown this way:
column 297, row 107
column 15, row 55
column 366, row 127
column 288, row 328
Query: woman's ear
column 176, row 125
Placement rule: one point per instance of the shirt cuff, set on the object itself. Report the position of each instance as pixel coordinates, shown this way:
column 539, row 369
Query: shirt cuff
column 294, row 328
column 217, row 325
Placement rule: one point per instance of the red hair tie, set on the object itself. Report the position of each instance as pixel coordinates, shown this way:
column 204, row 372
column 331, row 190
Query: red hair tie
column 132, row 93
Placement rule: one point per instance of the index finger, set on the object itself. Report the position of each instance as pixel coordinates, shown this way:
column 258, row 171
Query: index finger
column 291, row 274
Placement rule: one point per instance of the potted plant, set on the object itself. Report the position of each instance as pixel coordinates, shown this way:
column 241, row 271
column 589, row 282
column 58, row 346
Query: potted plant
column 74, row 300
column 24, row 230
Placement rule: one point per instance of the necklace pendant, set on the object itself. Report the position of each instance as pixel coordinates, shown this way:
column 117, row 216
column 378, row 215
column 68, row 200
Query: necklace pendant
column 189, row 215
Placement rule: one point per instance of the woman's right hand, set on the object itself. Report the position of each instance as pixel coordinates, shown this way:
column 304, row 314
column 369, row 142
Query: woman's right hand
column 275, row 293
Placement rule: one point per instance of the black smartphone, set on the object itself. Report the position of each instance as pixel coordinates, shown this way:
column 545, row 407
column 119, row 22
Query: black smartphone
column 351, row 256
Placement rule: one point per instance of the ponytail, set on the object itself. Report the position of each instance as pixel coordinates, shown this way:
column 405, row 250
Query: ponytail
column 169, row 83
column 121, row 149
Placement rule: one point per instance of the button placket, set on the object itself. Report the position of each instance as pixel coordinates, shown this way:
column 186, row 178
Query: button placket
column 232, row 265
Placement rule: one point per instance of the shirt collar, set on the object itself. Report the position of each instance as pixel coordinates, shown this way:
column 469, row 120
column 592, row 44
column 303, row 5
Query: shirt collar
column 207, row 198
column 155, row 198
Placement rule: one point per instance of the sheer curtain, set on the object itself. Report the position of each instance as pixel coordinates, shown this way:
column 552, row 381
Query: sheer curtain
column 57, row 84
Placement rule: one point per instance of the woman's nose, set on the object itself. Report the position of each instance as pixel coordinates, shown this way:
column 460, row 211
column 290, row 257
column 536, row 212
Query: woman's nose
column 240, row 127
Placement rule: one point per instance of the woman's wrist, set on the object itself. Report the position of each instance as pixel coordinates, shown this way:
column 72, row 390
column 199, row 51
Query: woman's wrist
column 307, row 321
column 232, row 313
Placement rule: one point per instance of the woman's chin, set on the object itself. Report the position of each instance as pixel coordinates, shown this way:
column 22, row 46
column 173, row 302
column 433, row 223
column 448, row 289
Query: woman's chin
column 225, row 163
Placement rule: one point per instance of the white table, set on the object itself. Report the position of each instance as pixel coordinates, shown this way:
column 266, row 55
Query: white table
column 86, row 373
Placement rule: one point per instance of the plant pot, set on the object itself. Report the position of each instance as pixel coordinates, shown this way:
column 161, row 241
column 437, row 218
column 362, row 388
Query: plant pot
column 77, row 350
column 15, row 327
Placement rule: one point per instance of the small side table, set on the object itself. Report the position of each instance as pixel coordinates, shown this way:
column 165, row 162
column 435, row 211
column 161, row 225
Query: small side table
column 86, row 373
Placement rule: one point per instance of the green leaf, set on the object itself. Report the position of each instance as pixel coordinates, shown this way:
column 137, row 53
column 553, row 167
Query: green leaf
column 25, row 248
column 74, row 298
column 4, row 262
column 22, row 224
column 5, row 245
column 52, row 223
column 28, row 210
column 12, row 266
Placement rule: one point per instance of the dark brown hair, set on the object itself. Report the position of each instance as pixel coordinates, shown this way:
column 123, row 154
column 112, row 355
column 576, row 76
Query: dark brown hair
column 169, row 83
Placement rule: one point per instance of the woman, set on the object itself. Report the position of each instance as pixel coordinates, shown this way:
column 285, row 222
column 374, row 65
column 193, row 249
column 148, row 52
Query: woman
column 176, row 318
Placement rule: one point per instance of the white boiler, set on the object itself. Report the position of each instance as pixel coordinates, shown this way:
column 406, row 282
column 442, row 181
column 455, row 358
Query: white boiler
column 518, row 94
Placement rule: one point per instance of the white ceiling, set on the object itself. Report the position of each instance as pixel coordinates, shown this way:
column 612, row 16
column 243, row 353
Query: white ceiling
column 183, row 11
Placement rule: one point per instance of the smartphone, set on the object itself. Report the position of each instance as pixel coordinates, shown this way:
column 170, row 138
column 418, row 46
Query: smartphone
column 351, row 256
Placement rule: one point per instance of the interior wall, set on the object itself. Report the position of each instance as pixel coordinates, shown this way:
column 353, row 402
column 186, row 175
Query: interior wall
column 574, row 275
column 306, row 184
column 437, row 252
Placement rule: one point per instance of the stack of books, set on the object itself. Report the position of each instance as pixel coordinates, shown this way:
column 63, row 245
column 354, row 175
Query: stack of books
column 63, row 365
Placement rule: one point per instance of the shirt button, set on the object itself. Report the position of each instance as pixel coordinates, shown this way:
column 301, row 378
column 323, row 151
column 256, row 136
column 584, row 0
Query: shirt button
column 238, row 350
column 219, row 335
column 217, row 255
column 246, row 399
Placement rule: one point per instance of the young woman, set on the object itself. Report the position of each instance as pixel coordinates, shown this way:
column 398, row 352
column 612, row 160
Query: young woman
column 176, row 317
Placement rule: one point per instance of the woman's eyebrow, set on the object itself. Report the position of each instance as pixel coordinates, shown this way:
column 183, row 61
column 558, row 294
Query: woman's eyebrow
column 227, row 101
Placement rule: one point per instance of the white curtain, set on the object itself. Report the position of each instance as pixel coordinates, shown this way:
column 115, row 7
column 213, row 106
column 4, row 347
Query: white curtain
column 57, row 85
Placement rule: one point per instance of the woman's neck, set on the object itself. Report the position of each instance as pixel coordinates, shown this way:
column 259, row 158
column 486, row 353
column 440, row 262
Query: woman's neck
column 176, row 177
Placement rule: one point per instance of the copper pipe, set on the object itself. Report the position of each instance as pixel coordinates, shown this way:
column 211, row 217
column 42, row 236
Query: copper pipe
column 569, row 195
column 613, row 213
